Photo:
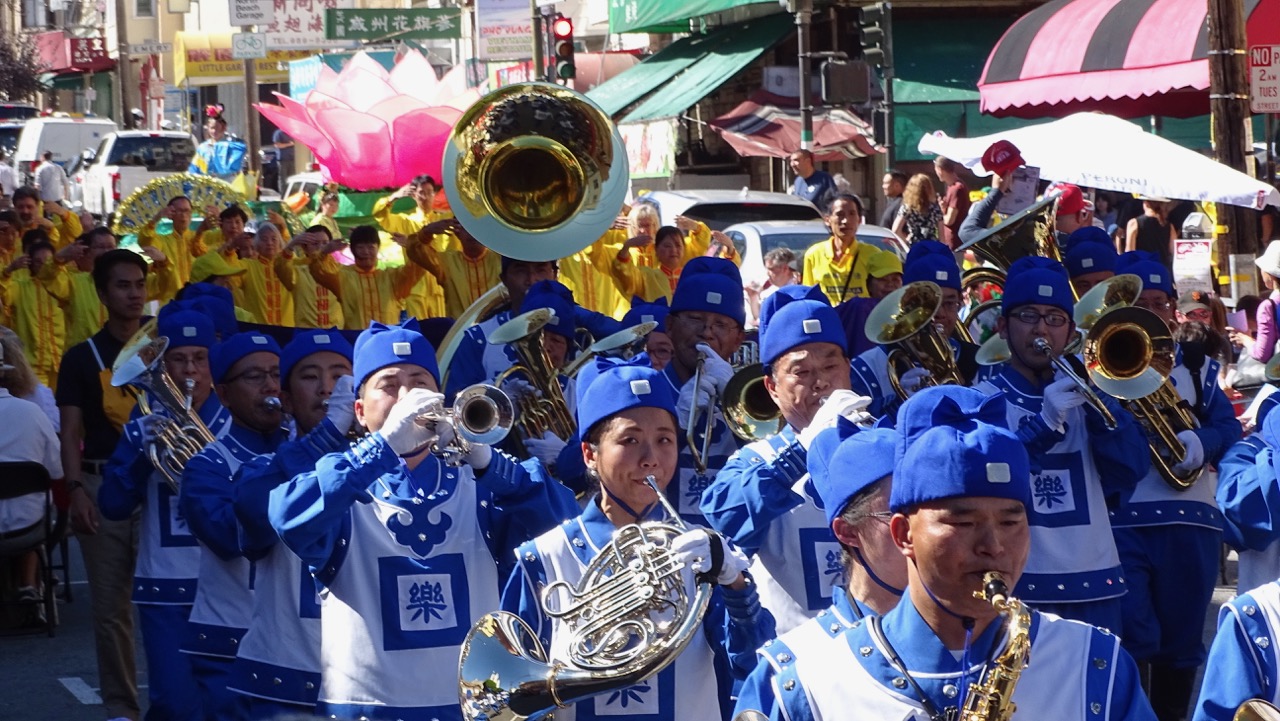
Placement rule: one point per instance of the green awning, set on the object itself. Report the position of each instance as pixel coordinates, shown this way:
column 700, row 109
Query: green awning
column 623, row 89
column 909, row 91
column 739, row 45
column 666, row 16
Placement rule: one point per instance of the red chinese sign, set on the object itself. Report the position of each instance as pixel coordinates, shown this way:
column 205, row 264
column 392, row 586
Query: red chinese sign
column 89, row 54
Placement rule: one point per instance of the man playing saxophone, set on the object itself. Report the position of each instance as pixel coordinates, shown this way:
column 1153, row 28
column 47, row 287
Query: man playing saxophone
column 1169, row 538
column 957, row 645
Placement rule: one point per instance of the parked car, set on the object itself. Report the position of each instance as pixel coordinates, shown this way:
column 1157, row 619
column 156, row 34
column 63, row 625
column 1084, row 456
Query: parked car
column 753, row 240
column 309, row 183
column 128, row 160
column 18, row 111
column 66, row 138
column 720, row 209
column 9, row 133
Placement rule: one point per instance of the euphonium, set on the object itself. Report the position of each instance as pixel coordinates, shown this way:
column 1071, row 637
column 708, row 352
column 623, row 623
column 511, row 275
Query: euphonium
column 180, row 434
column 630, row 616
column 904, row 321
column 991, row 698
column 623, row 344
column 1129, row 354
column 480, row 414
column 547, row 410
column 1030, row 231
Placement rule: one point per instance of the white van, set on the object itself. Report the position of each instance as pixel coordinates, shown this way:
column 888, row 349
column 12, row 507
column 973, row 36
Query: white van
column 67, row 138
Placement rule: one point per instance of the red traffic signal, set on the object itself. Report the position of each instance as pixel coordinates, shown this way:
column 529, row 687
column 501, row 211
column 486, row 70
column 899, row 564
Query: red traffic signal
column 562, row 28
column 562, row 33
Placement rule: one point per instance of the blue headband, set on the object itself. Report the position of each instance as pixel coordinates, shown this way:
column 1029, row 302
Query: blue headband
column 1087, row 234
column 1147, row 266
column 231, row 350
column 711, row 285
column 216, row 302
column 621, row 388
column 785, row 295
column 306, row 342
column 1037, row 280
column 186, row 328
column 554, row 295
column 381, row 345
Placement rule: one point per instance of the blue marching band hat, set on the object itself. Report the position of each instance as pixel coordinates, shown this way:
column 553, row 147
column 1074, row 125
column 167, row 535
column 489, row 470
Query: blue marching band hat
column 306, row 342
column 382, row 345
column 231, row 350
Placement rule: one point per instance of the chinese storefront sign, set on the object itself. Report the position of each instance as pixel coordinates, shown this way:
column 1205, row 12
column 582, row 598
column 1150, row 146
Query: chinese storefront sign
column 393, row 23
column 505, row 29
column 301, row 24
column 89, row 54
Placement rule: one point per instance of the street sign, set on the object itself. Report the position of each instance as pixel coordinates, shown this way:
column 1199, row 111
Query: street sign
column 1264, row 79
column 252, row 12
column 248, row 45
column 393, row 23
column 151, row 48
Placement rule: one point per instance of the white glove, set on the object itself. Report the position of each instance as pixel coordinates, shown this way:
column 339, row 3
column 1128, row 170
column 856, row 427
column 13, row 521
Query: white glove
column 913, row 379
column 402, row 430
column 1195, row 452
column 1060, row 397
column 342, row 404
column 149, row 428
column 693, row 395
column 693, row 549
column 841, row 403
column 546, row 449
column 715, row 368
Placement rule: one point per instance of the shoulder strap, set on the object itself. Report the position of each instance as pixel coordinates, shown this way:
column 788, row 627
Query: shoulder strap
column 96, row 355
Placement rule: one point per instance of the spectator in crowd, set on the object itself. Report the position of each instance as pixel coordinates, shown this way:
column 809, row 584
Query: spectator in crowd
column 51, row 179
column 34, row 289
column 955, row 200
column 839, row 264
column 1104, row 209
column 85, row 313
column 893, row 184
column 782, row 267
column 1247, row 304
column 920, row 217
column 93, row 414
column 8, row 180
column 284, row 156
column 1074, row 211
column 815, row 186
column 27, row 436
column 22, row 382
column 1262, row 346
column 326, row 216
column 1152, row 231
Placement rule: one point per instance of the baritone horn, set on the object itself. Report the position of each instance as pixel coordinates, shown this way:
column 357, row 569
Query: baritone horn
column 628, row 617
column 1030, row 231
column 547, row 409
column 180, row 433
column 1129, row 354
column 904, row 321
column 535, row 171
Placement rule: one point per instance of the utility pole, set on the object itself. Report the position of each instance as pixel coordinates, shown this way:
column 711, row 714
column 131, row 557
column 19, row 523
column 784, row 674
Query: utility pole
column 539, row 67
column 124, row 70
column 1237, row 231
column 252, row 134
column 804, row 17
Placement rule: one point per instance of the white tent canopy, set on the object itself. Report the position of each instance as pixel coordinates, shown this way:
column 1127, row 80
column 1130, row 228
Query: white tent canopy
column 1101, row 151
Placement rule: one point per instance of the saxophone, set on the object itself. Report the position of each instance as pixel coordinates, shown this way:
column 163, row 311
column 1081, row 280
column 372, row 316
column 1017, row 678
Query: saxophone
column 991, row 698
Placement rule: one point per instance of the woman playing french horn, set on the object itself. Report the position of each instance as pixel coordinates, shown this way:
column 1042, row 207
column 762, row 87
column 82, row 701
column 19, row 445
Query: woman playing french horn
column 630, row 442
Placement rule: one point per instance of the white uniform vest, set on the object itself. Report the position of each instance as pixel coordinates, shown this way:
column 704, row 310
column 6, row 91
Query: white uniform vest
column 685, row 490
column 685, row 690
column 393, row 622
column 225, row 595
column 838, row 687
column 1073, row 554
column 284, row 629
column 1267, row 600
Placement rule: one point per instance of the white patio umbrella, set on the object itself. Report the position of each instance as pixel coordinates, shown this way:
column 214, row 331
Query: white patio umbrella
column 1105, row 152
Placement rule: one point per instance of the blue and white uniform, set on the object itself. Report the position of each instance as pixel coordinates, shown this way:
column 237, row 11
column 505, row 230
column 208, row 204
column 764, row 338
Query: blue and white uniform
column 696, row 686
column 1169, row 540
column 1242, row 661
column 686, row 489
column 1074, row 568
column 164, row 580
column 224, row 599
column 1249, row 498
column 407, row 560
column 278, row 665
column 869, row 376
column 759, row 691
column 762, row 500
column 1076, row 672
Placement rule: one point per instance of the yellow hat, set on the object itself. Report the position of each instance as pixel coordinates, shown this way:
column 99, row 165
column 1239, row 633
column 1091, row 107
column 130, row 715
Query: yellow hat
column 884, row 262
column 213, row 264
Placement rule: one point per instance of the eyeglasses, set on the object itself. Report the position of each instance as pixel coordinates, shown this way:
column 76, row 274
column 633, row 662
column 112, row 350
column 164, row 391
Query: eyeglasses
column 1031, row 317
column 256, row 377
column 696, row 322
column 881, row 515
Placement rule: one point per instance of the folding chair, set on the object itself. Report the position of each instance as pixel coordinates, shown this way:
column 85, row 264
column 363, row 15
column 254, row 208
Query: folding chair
column 20, row 478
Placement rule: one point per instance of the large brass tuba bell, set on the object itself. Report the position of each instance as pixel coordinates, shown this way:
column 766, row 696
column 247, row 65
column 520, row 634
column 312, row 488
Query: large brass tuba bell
column 903, row 321
column 1028, row 232
column 180, row 432
column 535, row 171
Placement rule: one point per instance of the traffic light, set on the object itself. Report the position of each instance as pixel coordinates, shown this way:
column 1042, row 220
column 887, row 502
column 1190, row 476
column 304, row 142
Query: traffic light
column 875, row 29
column 562, row 48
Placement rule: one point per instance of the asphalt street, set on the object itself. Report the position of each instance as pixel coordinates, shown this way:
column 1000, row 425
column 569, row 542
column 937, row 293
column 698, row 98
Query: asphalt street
column 55, row 679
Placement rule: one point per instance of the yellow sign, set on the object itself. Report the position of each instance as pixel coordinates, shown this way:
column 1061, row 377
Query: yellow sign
column 205, row 59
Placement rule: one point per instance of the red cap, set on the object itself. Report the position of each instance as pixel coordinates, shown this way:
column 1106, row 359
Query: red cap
column 1072, row 200
column 1002, row 158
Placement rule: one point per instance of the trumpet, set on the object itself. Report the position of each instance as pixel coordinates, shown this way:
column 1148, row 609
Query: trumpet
column 700, row 454
column 1082, row 385
column 481, row 415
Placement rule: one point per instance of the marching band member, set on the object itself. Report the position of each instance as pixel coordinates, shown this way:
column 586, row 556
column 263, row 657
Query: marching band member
column 366, row 291
column 1169, row 540
column 181, row 245
column 630, row 432
column 314, row 306
column 928, row 260
column 852, row 470
column 705, row 322
column 1242, row 660
column 246, row 370
column 762, row 499
column 839, row 266
column 408, row 549
column 427, row 299
column 658, row 343
column 478, row 361
column 884, row 275
column 1089, row 259
column 465, row 273
column 1080, row 466
column 165, row 579
column 960, row 493
column 277, row 668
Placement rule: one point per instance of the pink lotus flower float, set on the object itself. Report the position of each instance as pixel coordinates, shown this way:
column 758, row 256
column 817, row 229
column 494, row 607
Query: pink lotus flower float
column 369, row 128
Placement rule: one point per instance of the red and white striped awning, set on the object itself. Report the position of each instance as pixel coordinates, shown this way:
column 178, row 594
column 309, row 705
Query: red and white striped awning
column 1129, row 58
column 764, row 126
